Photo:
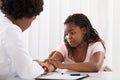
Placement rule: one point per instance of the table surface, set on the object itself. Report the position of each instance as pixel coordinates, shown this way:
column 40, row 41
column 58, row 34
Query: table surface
column 92, row 75
column 99, row 76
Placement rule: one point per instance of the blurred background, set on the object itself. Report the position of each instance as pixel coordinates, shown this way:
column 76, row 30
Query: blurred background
column 46, row 32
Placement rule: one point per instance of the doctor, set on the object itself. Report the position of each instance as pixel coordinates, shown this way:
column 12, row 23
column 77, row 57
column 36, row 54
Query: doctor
column 15, row 61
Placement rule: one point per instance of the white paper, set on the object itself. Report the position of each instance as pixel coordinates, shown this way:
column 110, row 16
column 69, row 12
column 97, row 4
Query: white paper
column 56, row 75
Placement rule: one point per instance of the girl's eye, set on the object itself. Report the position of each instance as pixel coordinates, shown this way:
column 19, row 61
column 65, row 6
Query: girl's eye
column 72, row 33
column 66, row 35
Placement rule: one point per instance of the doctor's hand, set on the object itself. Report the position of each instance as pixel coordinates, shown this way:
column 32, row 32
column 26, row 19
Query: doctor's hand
column 49, row 67
column 46, row 66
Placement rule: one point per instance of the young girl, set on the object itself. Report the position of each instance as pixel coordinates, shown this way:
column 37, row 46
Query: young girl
column 82, row 50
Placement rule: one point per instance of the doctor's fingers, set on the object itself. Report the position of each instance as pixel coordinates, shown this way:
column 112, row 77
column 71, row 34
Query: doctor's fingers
column 39, row 62
column 48, row 67
column 48, row 61
column 51, row 68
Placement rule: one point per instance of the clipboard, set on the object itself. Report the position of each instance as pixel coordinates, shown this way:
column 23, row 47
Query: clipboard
column 56, row 76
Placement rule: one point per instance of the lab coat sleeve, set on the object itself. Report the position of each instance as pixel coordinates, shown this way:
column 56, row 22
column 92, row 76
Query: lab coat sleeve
column 23, row 63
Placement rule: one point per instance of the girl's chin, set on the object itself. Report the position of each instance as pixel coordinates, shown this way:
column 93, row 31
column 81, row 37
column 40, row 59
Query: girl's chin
column 72, row 45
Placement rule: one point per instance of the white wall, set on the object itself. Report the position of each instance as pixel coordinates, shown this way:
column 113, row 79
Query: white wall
column 116, row 39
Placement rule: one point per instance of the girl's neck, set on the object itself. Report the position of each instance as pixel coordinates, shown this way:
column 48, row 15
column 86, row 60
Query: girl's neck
column 82, row 46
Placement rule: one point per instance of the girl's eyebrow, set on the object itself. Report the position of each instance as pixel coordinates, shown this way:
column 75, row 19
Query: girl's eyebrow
column 69, row 30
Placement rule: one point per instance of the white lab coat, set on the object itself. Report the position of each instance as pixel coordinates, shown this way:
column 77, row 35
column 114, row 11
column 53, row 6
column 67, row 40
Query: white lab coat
column 15, row 61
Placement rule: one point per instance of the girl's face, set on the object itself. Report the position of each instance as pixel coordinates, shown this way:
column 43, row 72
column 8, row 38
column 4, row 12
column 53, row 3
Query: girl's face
column 74, row 34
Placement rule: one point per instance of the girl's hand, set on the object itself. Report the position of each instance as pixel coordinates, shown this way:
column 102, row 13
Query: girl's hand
column 57, row 64
column 51, row 54
column 49, row 57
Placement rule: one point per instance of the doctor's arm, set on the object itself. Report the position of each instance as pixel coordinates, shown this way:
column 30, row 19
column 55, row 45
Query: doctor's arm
column 24, row 65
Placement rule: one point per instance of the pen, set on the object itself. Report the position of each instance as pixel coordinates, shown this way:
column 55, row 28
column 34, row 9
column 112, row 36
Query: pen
column 76, row 74
column 73, row 74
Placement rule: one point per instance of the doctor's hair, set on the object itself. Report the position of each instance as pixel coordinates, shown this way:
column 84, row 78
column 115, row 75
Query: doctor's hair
column 21, row 8
column 82, row 21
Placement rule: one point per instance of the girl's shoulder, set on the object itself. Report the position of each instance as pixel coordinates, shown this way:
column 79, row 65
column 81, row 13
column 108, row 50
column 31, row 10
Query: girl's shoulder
column 95, row 47
column 95, row 44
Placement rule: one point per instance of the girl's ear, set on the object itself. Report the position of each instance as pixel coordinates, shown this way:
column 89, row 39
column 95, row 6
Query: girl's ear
column 84, row 30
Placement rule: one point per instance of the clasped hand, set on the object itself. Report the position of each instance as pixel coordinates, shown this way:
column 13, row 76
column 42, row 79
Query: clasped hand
column 46, row 66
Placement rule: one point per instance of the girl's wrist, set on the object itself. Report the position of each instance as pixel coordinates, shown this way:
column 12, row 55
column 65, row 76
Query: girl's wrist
column 63, row 66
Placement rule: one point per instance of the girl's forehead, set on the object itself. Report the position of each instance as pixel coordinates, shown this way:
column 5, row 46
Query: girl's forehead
column 71, row 27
